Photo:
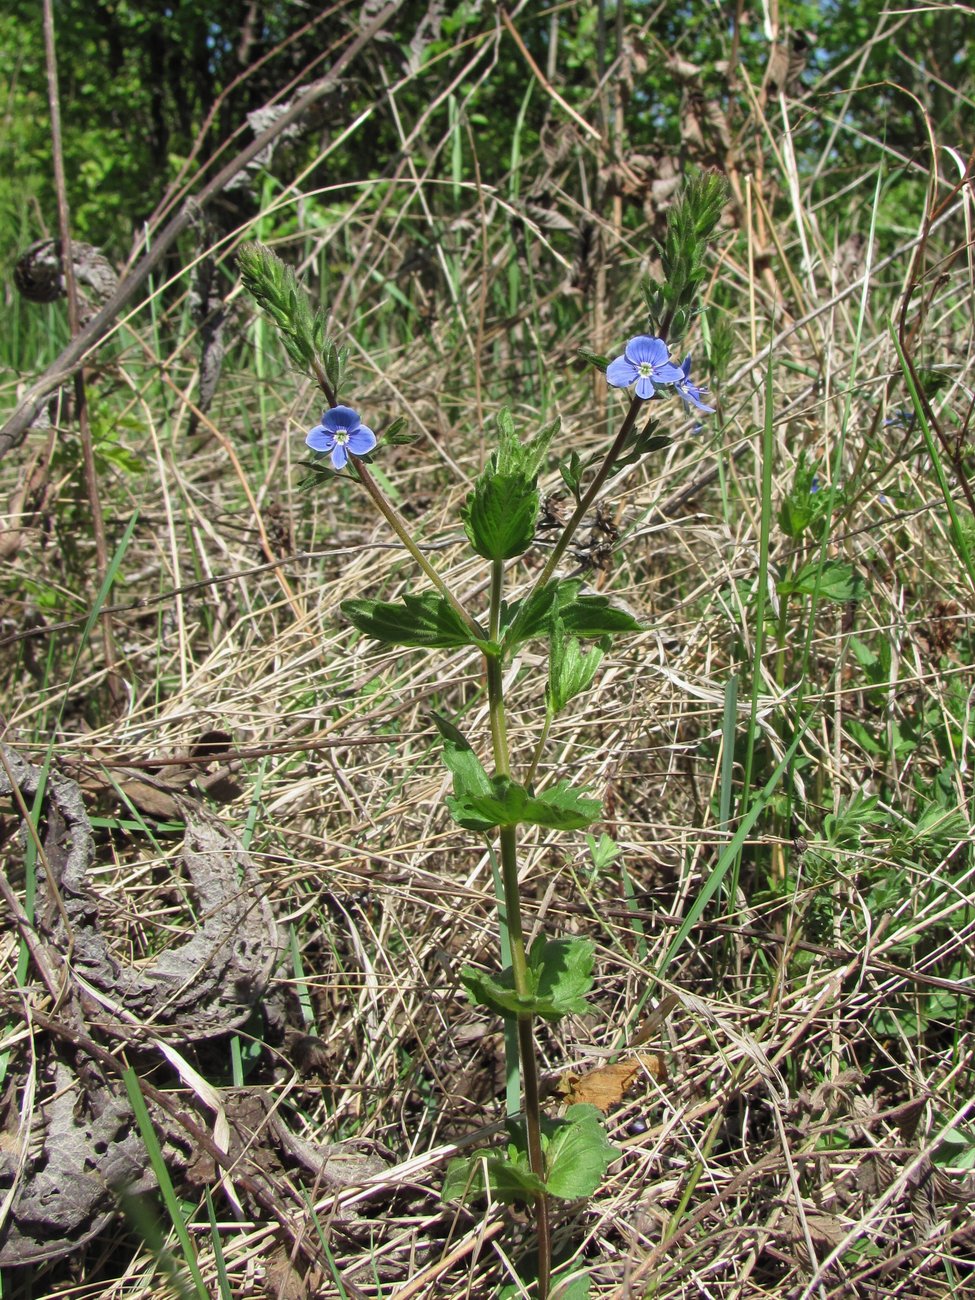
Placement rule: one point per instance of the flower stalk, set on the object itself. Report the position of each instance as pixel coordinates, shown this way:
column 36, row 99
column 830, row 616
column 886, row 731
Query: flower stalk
column 602, row 474
column 396, row 522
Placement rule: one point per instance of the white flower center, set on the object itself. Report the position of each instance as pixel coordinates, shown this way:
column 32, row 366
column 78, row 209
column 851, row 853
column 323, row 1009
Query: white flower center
column 341, row 436
column 646, row 369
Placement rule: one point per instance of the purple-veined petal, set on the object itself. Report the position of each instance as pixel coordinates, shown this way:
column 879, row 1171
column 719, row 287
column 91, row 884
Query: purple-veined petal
column 341, row 419
column 340, row 456
column 646, row 350
column 666, row 373
column 621, row 373
column 644, row 388
column 361, row 440
column 319, row 439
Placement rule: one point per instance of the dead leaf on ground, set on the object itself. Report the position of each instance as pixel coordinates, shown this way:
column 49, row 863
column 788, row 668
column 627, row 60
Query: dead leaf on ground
column 607, row 1085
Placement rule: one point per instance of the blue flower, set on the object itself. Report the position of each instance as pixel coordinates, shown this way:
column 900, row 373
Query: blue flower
column 645, row 361
column 903, row 419
column 691, row 393
column 341, row 433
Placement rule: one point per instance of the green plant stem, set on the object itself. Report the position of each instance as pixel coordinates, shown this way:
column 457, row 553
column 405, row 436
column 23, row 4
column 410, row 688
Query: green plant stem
column 540, row 746
column 516, row 938
column 322, row 380
column 602, row 474
column 391, row 515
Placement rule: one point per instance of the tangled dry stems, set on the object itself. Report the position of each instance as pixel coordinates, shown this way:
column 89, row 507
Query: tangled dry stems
column 784, row 1146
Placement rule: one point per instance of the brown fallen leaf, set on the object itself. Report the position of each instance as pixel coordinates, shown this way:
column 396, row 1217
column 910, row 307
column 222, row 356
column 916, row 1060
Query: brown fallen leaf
column 607, row 1085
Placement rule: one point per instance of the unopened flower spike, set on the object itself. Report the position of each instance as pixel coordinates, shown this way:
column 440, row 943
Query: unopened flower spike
column 341, row 433
column 645, row 362
column 692, row 393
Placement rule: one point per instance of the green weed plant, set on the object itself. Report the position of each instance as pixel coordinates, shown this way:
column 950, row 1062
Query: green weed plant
column 546, row 1159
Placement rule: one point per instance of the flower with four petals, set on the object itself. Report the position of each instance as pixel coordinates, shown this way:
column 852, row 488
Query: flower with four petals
column 342, row 434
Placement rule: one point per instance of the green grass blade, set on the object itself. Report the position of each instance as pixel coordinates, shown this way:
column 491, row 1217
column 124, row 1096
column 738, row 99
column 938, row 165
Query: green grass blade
column 166, row 1189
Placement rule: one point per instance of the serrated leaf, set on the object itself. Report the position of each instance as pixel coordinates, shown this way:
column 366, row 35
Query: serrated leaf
column 562, row 969
column 578, row 1154
column 559, row 808
column 507, row 438
column 588, row 616
column 832, row 581
column 500, row 514
column 532, row 617
column 603, row 853
column 478, row 812
column 795, row 515
column 427, row 621
column 559, row 973
column 496, row 992
column 595, row 616
column 570, row 668
column 510, row 1179
column 461, row 761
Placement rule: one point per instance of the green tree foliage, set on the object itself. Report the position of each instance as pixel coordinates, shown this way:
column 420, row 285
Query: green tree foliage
column 143, row 86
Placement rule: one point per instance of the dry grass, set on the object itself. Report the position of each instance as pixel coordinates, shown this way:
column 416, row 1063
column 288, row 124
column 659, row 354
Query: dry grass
column 814, row 1046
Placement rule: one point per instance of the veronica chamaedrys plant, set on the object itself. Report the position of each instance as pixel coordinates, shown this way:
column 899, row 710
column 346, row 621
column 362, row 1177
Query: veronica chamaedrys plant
column 547, row 1159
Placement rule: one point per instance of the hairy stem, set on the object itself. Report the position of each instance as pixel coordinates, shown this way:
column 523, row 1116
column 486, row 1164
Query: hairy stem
column 516, row 936
column 392, row 517
column 590, row 494
column 322, row 380
column 540, row 746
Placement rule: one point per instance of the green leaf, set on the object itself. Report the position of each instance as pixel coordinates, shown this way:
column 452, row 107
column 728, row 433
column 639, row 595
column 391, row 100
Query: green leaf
column 509, row 1177
column 274, row 287
column 604, row 852
column 587, row 616
column 595, row 616
column 933, row 380
column 865, row 738
column 593, row 358
column 795, row 515
column 567, row 1283
column 482, row 812
column 572, row 469
column 559, row 808
column 570, row 668
column 640, row 443
column 500, row 514
column 562, row 969
column 559, row 975
column 577, row 1288
column 428, row 621
column 832, row 580
column 395, row 435
column 461, row 762
column 578, row 1155
column 501, row 511
column 805, row 506
column 532, row 617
